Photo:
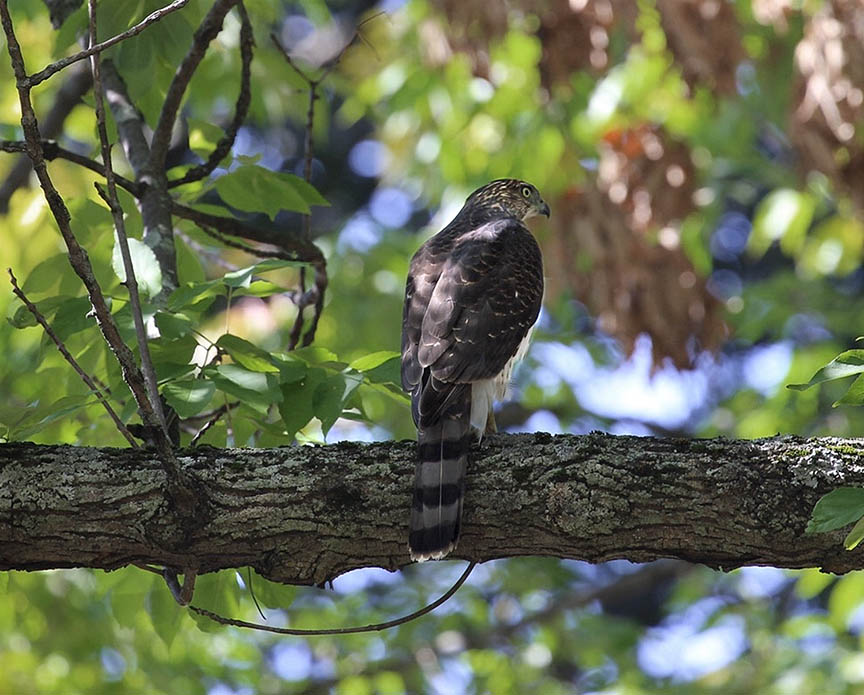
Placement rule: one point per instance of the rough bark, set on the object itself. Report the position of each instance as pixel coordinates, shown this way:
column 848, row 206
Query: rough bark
column 306, row 514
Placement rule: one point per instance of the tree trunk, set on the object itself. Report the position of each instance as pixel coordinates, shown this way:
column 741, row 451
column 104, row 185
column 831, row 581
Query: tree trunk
column 304, row 515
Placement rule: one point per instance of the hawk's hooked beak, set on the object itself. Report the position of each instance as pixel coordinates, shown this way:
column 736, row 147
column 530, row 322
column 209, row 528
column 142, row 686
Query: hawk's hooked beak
column 545, row 209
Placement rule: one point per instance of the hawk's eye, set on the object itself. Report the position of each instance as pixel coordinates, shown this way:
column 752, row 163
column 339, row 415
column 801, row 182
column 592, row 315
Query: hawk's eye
column 526, row 191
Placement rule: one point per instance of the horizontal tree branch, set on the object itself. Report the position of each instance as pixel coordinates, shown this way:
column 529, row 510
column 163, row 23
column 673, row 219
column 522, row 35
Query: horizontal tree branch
column 307, row 514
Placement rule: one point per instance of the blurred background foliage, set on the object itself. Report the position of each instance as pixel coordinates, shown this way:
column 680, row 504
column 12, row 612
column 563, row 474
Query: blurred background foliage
column 704, row 162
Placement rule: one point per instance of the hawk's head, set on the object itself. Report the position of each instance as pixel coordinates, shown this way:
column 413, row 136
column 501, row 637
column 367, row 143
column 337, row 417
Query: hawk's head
column 511, row 196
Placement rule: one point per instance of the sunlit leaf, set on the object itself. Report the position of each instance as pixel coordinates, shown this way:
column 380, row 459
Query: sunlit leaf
column 144, row 263
column 256, row 389
column 253, row 188
column 855, row 536
column 845, row 364
column 173, row 325
column 373, row 360
column 247, row 354
column 189, row 397
column 838, row 508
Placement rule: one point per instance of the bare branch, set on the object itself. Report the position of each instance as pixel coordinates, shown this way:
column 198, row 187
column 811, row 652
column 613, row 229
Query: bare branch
column 210, row 26
column 297, row 249
column 85, row 377
column 51, row 151
column 241, row 109
column 297, row 329
column 57, row 66
column 214, row 418
column 240, row 246
column 120, row 227
column 375, row 627
column 321, row 281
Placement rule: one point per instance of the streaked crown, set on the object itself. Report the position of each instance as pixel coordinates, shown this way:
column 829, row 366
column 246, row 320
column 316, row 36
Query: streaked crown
column 511, row 196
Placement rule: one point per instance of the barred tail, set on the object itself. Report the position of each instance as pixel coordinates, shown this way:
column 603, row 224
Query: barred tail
column 436, row 513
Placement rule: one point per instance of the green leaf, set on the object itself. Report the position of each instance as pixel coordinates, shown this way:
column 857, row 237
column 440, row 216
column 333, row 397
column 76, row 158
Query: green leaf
column 193, row 292
column 189, row 268
column 22, row 318
column 256, row 390
column 297, row 406
column 165, row 614
column 203, row 137
column 315, row 355
column 178, row 351
column 72, row 317
column 72, row 28
column 144, row 263
column 290, row 371
column 216, row 591
column 46, row 274
column 837, row 509
column 271, row 594
column 173, row 38
column 331, row 396
column 855, row 394
column 189, row 396
column 129, row 593
column 247, row 354
column 845, row 364
column 136, row 56
column 855, row 536
column 373, row 360
column 260, row 288
column 307, row 190
column 173, row 325
column 239, row 278
column 36, row 419
column 380, row 367
column 252, row 188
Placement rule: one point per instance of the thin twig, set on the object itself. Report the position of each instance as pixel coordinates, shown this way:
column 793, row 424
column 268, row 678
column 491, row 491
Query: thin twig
column 153, row 17
column 131, row 282
column 241, row 109
column 297, row 249
column 85, row 377
column 320, row 268
column 375, row 627
column 261, row 253
column 320, row 290
column 217, row 414
column 210, row 254
column 51, row 151
column 252, row 593
column 297, row 329
column 210, row 26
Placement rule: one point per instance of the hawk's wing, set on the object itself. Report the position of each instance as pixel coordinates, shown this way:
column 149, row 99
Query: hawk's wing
column 468, row 308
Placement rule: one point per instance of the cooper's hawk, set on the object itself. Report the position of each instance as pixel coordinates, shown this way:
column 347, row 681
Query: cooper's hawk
column 472, row 296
